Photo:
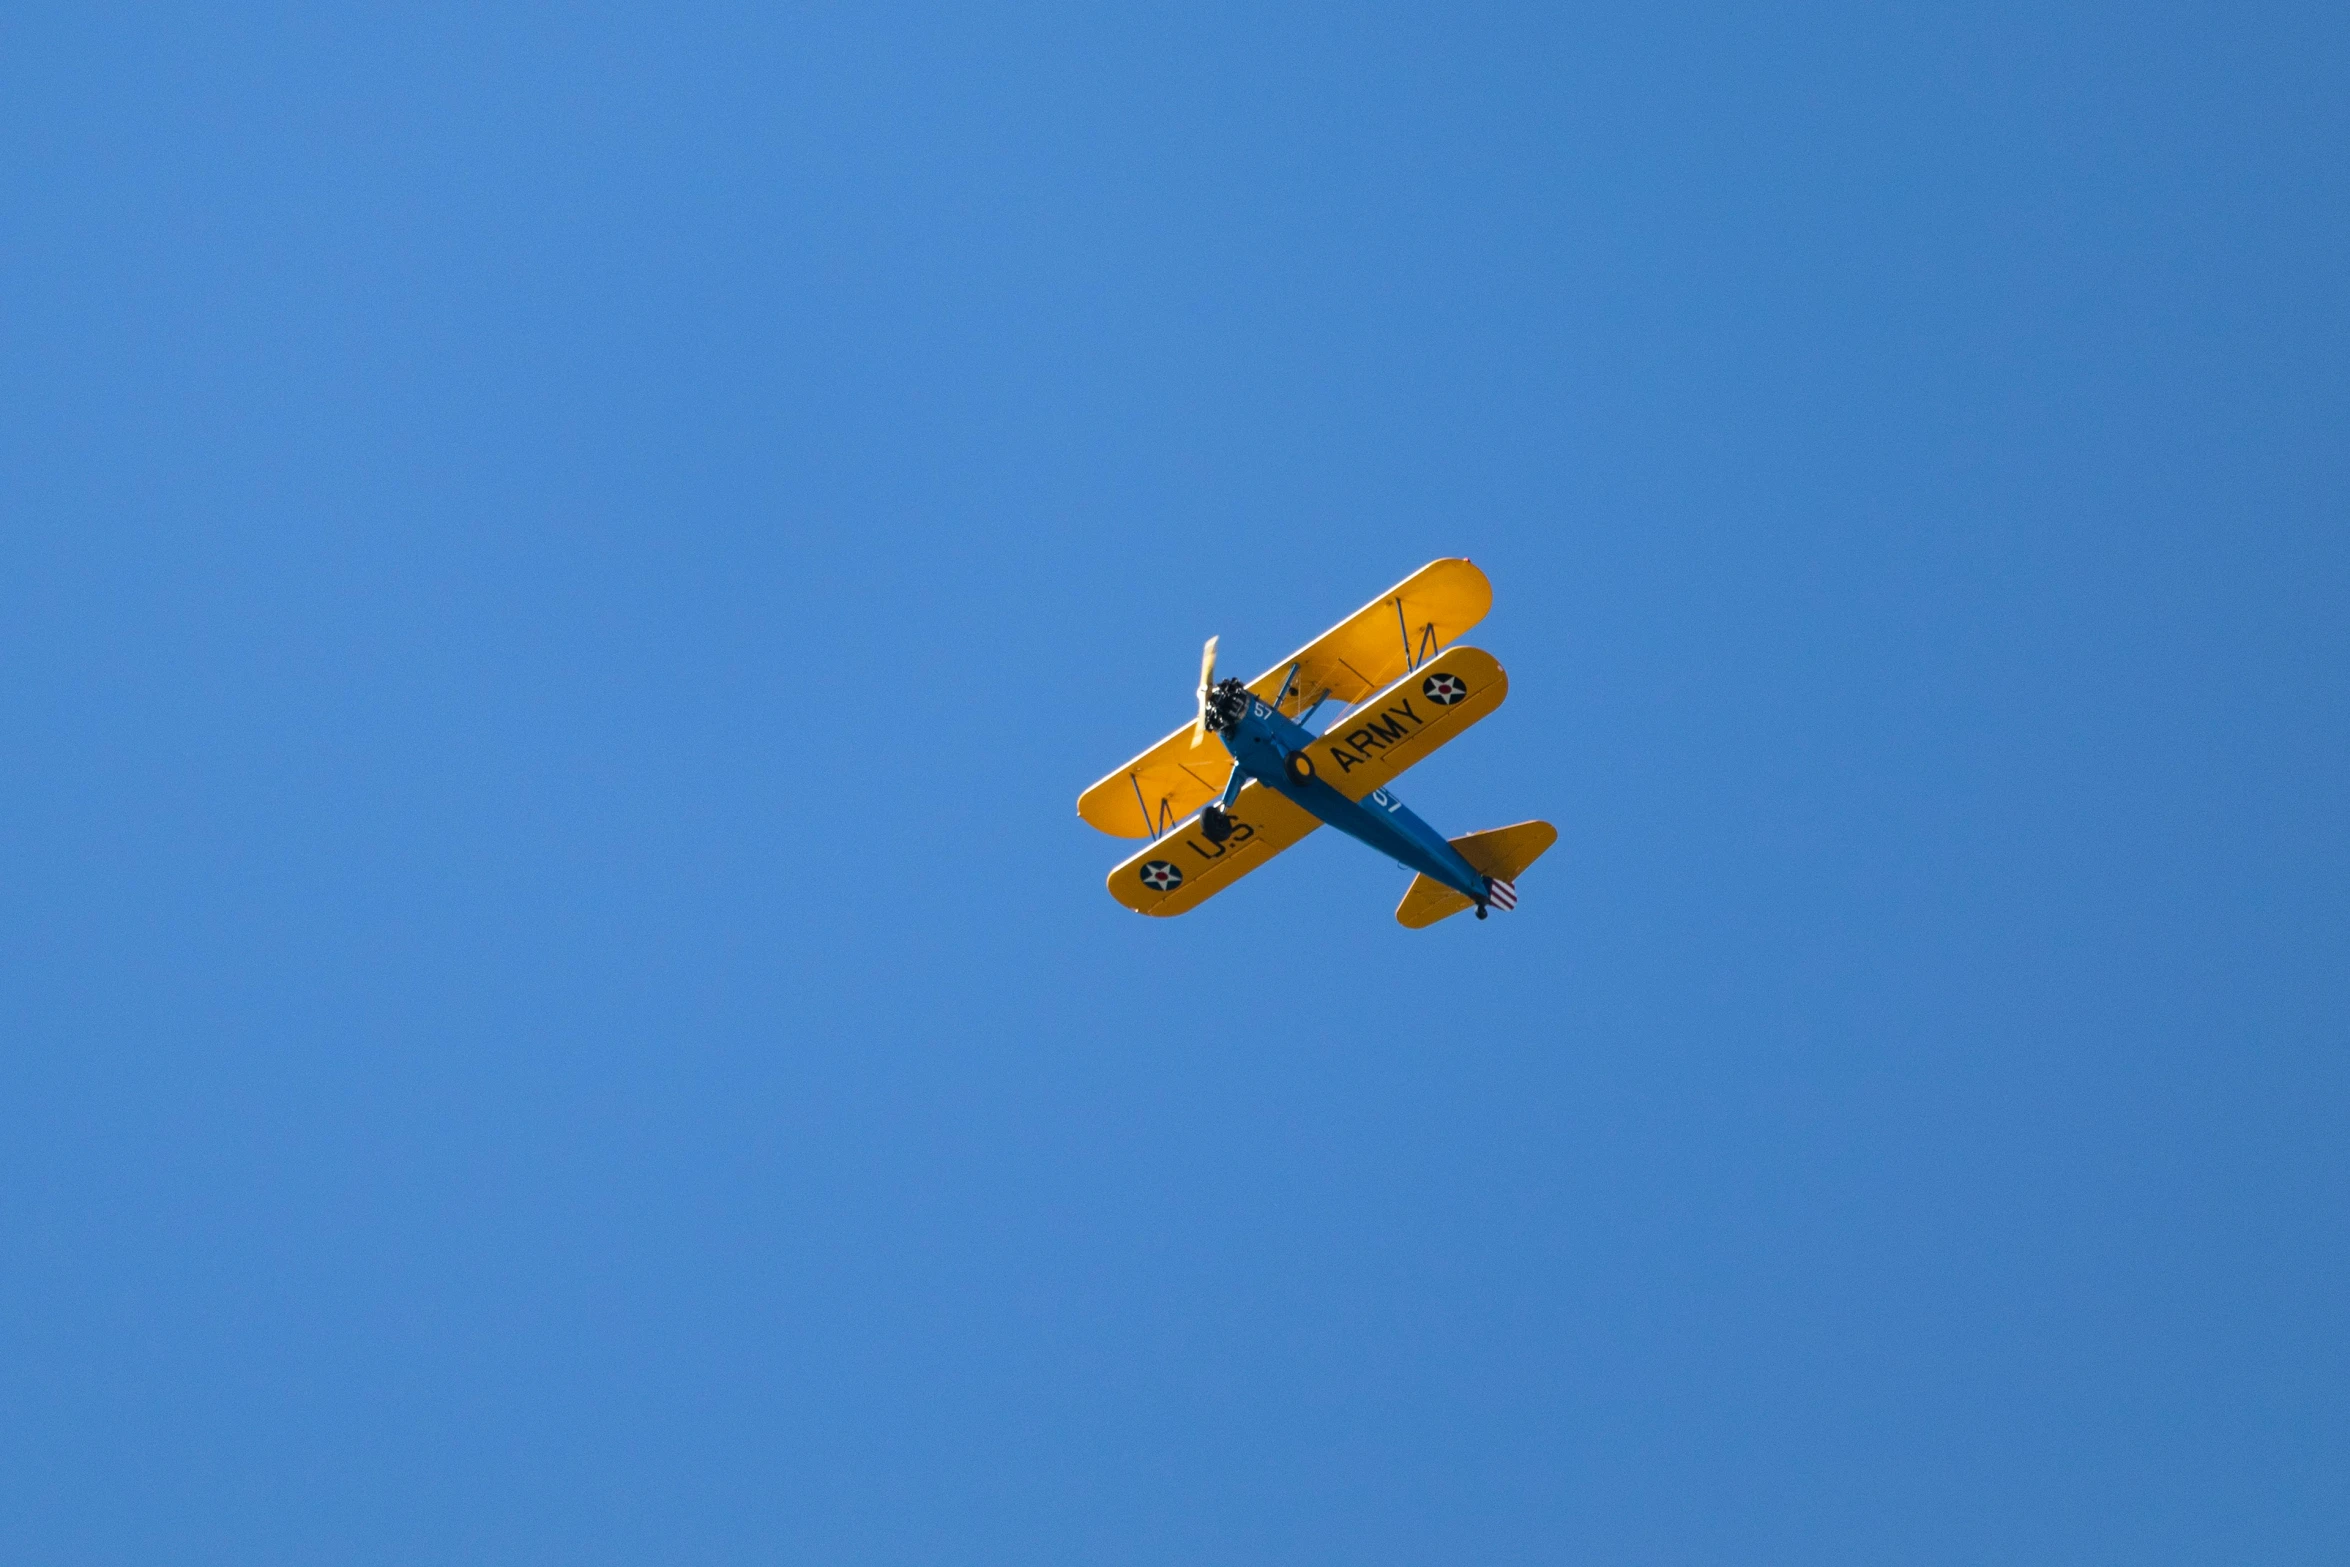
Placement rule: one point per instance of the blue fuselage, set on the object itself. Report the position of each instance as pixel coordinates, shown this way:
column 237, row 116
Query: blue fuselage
column 1262, row 743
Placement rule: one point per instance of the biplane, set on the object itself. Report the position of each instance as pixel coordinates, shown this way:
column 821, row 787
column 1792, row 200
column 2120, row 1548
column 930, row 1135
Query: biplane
column 1213, row 813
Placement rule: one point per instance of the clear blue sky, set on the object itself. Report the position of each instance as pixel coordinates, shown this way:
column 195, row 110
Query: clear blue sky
column 564, row 568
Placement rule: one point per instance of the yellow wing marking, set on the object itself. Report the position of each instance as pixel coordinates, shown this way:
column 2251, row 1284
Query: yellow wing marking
column 1404, row 723
column 1403, row 627
column 1183, row 869
column 1501, row 853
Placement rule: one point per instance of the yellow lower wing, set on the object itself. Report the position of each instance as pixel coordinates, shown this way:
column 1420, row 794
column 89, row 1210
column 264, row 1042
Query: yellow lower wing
column 1411, row 718
column 1184, row 869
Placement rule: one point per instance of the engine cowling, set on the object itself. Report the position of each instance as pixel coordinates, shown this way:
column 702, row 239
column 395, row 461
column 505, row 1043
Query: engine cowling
column 1227, row 702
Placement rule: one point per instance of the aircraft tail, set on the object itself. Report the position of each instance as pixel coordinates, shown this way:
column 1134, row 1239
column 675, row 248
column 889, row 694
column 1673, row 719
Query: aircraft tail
column 1499, row 855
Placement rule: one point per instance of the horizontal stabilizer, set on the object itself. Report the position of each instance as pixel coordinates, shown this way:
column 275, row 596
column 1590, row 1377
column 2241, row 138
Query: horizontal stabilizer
column 1427, row 901
column 1501, row 854
column 1504, row 852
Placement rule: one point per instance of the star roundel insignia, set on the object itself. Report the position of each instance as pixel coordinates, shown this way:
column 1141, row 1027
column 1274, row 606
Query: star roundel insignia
column 1160, row 876
column 1444, row 690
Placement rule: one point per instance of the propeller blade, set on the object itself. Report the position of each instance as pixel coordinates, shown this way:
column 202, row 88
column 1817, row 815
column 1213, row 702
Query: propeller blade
column 1207, row 683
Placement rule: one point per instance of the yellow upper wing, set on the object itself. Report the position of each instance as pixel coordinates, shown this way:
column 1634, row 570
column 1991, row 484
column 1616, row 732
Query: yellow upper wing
column 1158, row 788
column 1184, row 869
column 1397, row 631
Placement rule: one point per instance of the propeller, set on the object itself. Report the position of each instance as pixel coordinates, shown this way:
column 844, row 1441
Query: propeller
column 1207, row 684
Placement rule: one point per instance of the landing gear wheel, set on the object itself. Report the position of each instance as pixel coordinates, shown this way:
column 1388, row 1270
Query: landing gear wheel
column 1301, row 769
column 1480, row 911
column 1215, row 823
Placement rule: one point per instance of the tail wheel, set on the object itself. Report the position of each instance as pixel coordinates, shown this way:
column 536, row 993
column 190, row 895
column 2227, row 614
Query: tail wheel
column 1301, row 769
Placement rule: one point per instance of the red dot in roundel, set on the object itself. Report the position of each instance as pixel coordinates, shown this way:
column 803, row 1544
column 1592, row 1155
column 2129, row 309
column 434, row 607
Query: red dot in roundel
column 1160, row 876
column 1444, row 690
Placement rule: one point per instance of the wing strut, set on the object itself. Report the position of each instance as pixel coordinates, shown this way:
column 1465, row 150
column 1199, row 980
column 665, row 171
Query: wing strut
column 1153, row 827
